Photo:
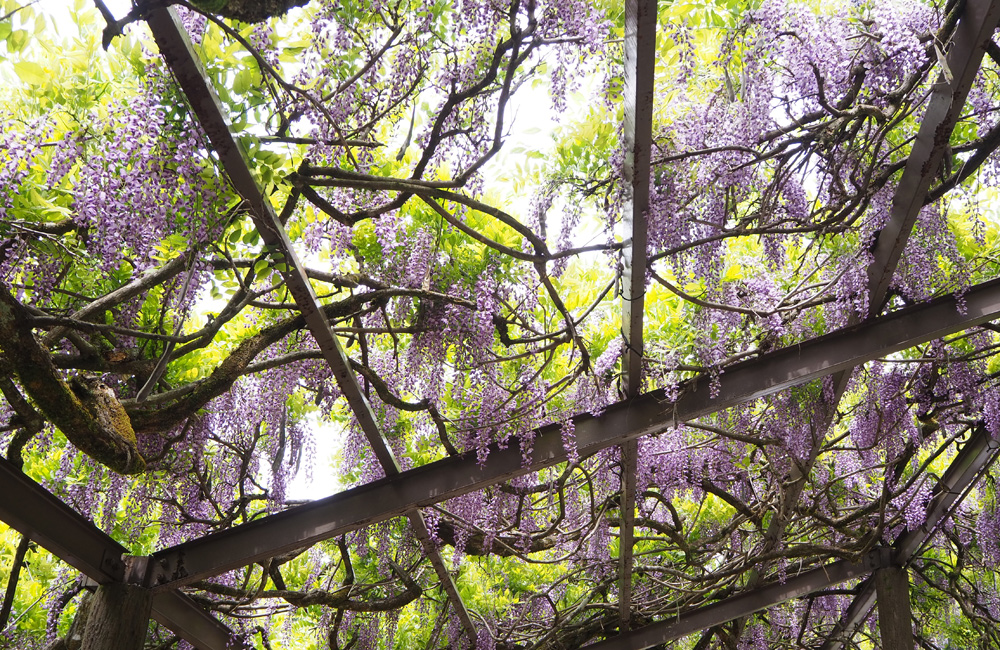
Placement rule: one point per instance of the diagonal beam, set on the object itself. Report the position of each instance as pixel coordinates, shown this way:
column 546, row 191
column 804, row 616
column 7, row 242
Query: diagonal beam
column 189, row 621
column 177, row 51
column 431, row 551
column 645, row 415
column 744, row 604
column 640, row 51
column 183, row 61
column 974, row 30
column 976, row 23
column 972, row 461
column 38, row 514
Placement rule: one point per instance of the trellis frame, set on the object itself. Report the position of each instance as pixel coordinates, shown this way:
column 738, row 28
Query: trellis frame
column 44, row 518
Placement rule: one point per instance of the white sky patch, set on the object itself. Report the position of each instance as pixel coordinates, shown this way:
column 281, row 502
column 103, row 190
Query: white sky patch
column 60, row 12
column 118, row 7
column 322, row 478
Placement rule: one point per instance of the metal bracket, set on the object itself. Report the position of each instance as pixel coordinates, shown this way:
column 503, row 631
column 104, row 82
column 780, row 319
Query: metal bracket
column 879, row 558
column 164, row 570
column 137, row 569
column 113, row 565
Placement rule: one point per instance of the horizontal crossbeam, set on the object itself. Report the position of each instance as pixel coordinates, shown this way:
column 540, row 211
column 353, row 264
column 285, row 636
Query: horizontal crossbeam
column 647, row 414
column 975, row 456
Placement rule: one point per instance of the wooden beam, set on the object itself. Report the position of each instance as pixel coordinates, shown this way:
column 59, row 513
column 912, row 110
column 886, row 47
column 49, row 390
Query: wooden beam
column 640, row 53
column 645, row 415
column 39, row 515
column 972, row 34
column 740, row 605
column 180, row 56
column 972, row 461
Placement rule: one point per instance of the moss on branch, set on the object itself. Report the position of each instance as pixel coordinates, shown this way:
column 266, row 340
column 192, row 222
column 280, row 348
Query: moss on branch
column 108, row 440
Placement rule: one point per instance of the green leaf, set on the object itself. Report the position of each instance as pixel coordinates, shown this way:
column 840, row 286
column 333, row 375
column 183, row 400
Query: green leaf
column 261, row 270
column 242, row 82
column 31, row 73
column 17, row 40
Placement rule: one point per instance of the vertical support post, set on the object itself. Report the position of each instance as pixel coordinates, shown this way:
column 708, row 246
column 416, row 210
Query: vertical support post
column 640, row 50
column 118, row 617
column 626, row 534
column 892, row 588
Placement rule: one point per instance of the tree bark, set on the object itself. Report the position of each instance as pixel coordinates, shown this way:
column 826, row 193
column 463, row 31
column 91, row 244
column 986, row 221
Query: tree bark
column 118, row 618
column 15, row 572
column 892, row 587
column 32, row 362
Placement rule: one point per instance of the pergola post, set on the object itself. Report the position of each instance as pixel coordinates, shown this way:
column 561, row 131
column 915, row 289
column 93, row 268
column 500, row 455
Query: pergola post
column 118, row 617
column 640, row 60
column 892, row 589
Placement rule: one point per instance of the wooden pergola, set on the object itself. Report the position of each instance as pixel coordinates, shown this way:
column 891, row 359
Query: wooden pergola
column 148, row 586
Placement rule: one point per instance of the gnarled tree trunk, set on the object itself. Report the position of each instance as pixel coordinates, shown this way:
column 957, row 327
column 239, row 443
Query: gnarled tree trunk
column 118, row 618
